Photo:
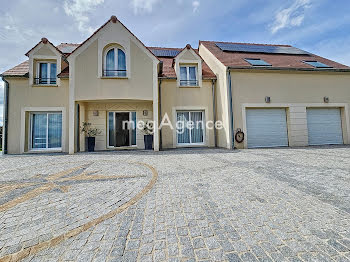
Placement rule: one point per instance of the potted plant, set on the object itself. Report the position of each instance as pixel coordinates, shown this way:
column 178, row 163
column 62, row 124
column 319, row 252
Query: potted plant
column 148, row 137
column 90, row 134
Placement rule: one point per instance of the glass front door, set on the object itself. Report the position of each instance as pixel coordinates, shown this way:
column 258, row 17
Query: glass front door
column 121, row 129
column 191, row 128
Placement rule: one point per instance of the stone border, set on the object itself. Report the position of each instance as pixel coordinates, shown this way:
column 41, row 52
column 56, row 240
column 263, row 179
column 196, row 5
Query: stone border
column 74, row 232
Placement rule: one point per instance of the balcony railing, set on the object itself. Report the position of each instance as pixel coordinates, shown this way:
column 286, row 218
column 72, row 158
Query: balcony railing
column 44, row 81
column 188, row 82
column 114, row 73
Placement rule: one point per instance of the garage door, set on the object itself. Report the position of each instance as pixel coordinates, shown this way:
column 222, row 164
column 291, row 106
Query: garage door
column 266, row 128
column 324, row 126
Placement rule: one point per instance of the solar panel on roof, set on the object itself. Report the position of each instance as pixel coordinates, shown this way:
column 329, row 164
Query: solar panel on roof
column 165, row 52
column 251, row 48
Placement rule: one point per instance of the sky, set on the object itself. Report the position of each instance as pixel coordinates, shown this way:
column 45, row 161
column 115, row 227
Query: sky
column 317, row 26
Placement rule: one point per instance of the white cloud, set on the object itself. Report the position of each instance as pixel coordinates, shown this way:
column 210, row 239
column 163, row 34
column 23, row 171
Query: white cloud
column 291, row 16
column 195, row 5
column 79, row 10
column 143, row 6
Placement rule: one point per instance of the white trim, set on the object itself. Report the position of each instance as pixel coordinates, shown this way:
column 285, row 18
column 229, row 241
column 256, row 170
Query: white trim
column 188, row 74
column 205, row 120
column 30, row 139
column 190, row 119
column 179, row 62
column 116, row 48
column 96, row 35
column 42, row 109
column 290, row 105
column 48, row 73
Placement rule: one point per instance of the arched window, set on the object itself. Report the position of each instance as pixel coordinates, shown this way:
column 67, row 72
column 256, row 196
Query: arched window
column 115, row 62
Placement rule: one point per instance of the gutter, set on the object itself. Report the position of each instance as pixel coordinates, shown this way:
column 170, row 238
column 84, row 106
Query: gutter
column 335, row 70
column 232, row 142
column 214, row 110
column 5, row 115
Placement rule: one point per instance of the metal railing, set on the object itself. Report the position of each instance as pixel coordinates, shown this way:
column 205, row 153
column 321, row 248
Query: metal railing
column 116, row 73
column 44, row 81
column 188, row 82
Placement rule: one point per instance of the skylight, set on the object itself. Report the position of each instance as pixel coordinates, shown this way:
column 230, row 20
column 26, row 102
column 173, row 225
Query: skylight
column 317, row 64
column 257, row 62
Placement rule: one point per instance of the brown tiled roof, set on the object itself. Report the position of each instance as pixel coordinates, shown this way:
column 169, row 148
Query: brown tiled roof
column 67, row 48
column 168, row 64
column 19, row 70
column 281, row 61
column 64, row 73
column 45, row 41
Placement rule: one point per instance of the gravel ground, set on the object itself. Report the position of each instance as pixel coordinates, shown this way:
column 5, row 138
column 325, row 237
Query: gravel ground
column 206, row 205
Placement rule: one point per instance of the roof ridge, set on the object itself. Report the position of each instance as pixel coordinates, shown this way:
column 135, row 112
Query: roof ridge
column 244, row 43
column 69, row 44
column 165, row 47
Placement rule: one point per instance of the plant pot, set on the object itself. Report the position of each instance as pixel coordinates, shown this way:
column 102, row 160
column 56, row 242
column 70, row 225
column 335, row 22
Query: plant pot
column 91, row 144
column 148, row 141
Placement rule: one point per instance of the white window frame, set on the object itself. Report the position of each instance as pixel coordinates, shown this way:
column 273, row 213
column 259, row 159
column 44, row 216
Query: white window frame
column 130, row 131
column 48, row 72
column 115, row 61
column 30, row 143
column 203, row 128
column 188, row 74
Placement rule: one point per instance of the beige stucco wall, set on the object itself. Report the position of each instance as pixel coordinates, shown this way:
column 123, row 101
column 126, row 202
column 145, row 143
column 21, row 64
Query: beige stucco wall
column 22, row 95
column 103, row 107
column 183, row 98
column 222, row 105
column 89, row 86
column 293, row 91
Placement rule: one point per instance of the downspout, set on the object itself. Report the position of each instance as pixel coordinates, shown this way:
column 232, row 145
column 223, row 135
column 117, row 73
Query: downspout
column 6, row 116
column 160, row 72
column 160, row 113
column 214, row 110
column 232, row 142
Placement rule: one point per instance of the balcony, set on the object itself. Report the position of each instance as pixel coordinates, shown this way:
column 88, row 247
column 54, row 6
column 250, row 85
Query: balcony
column 114, row 73
column 188, row 82
column 44, row 81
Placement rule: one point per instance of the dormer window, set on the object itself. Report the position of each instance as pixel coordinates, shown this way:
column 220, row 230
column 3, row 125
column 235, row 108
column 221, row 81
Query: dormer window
column 114, row 63
column 46, row 73
column 188, row 76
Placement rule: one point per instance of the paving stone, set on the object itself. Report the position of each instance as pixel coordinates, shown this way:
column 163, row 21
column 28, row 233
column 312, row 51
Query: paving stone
column 271, row 204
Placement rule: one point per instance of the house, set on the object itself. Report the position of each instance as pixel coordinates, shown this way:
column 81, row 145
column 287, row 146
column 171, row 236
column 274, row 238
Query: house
column 275, row 95
column 278, row 95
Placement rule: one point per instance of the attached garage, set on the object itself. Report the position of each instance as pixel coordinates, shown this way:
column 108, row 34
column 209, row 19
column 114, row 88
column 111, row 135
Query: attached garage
column 324, row 126
column 266, row 127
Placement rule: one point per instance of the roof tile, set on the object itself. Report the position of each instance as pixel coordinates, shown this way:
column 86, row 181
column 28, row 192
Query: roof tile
column 237, row 59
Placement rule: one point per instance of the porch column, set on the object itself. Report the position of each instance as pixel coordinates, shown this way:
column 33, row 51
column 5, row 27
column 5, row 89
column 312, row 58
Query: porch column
column 82, row 119
column 71, row 110
column 155, row 108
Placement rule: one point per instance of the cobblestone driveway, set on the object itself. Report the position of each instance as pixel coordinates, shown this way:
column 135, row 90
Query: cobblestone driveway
column 205, row 205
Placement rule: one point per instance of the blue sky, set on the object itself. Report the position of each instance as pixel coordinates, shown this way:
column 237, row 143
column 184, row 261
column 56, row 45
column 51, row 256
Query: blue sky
column 318, row 26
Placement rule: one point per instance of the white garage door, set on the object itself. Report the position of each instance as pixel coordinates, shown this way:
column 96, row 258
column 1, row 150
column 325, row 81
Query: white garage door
column 266, row 128
column 324, row 126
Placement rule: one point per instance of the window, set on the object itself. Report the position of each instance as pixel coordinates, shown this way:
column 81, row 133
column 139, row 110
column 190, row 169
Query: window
column 188, row 76
column 46, row 74
column 317, row 64
column 190, row 127
column 115, row 63
column 46, row 131
column 257, row 62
